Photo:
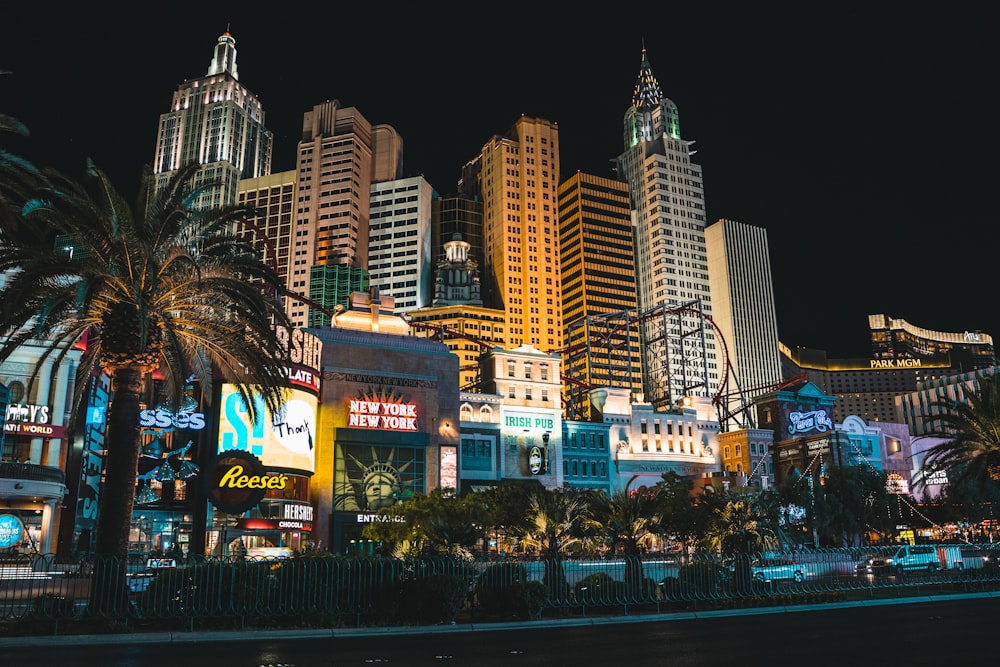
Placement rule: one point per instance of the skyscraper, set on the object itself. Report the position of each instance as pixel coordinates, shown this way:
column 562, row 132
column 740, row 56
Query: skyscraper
column 517, row 176
column 274, row 196
column 338, row 160
column 595, row 240
column 671, row 267
column 743, row 307
column 399, row 242
column 217, row 122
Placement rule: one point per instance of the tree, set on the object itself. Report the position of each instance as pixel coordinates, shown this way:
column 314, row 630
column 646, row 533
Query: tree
column 18, row 176
column 851, row 501
column 970, row 451
column 742, row 528
column 625, row 521
column 556, row 524
column 507, row 507
column 155, row 286
column 678, row 512
column 440, row 523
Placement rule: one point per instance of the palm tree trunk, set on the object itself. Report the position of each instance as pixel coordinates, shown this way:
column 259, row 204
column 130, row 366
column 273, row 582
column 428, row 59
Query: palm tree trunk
column 109, row 590
column 114, row 519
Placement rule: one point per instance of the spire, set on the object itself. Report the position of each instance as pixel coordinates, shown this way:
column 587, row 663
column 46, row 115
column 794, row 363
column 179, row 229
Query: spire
column 652, row 115
column 224, row 57
column 647, row 93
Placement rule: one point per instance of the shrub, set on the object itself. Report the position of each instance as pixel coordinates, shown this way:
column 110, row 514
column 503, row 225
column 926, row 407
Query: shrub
column 52, row 605
column 598, row 589
column 435, row 598
column 503, row 590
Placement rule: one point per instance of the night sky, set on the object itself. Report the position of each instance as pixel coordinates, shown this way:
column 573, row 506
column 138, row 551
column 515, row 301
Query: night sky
column 862, row 137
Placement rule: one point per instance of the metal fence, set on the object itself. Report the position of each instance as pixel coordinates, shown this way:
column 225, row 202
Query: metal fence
column 47, row 595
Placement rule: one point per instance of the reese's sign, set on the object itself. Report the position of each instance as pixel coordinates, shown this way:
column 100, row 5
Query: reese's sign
column 237, row 481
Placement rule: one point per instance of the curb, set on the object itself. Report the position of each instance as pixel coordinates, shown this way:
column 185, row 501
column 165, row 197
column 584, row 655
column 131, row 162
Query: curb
column 40, row 641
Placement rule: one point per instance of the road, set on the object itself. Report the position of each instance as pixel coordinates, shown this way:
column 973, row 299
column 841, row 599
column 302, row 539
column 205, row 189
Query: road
column 922, row 633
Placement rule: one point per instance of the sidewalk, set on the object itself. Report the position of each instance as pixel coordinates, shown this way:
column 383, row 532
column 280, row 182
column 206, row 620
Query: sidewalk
column 42, row 641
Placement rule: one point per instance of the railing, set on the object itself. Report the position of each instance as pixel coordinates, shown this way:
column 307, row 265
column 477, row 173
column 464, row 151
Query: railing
column 31, row 471
column 323, row 590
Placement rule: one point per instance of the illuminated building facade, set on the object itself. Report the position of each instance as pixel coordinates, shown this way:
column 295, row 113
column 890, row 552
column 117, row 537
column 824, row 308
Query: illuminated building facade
column 867, row 388
column 743, row 308
column 805, row 438
column 274, row 195
column 388, row 420
column 898, row 339
column 517, row 176
column 645, row 443
column 747, row 451
column 668, row 220
column 399, row 241
column 36, row 451
column 528, row 382
column 340, row 155
column 598, row 277
column 218, row 123
column 285, row 445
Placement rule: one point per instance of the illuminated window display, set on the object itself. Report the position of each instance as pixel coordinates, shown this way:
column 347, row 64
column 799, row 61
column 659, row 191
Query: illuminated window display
column 370, row 477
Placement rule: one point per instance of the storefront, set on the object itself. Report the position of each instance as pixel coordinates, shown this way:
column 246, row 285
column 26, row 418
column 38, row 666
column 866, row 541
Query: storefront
column 388, row 425
column 279, row 521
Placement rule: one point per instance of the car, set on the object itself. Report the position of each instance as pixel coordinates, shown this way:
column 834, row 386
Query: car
column 139, row 581
column 776, row 569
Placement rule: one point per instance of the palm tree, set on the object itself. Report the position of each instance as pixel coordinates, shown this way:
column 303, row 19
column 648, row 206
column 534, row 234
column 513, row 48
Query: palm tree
column 970, row 453
column 19, row 176
column 625, row 521
column 556, row 524
column 155, row 286
column 741, row 529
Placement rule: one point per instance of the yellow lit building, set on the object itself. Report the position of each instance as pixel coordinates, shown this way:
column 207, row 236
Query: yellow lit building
column 518, row 176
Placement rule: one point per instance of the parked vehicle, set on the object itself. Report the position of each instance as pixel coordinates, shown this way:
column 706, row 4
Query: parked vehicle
column 910, row 557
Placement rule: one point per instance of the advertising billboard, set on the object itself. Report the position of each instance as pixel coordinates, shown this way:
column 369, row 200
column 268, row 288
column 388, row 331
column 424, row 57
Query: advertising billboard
column 285, row 439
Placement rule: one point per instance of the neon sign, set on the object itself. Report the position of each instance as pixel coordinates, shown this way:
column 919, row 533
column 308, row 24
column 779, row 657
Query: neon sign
column 800, row 422
column 11, row 530
column 382, row 415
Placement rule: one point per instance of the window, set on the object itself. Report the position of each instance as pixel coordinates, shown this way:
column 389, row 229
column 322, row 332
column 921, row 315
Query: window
column 527, row 393
column 511, row 392
column 467, row 413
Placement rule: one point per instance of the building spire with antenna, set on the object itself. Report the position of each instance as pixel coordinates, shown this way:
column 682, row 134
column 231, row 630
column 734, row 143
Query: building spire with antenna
column 224, row 57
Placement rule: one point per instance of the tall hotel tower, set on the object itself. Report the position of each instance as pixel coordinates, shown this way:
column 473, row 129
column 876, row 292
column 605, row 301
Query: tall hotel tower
column 518, row 176
column 216, row 122
column 595, row 239
column 743, row 307
column 399, row 241
column 340, row 155
column 671, row 267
